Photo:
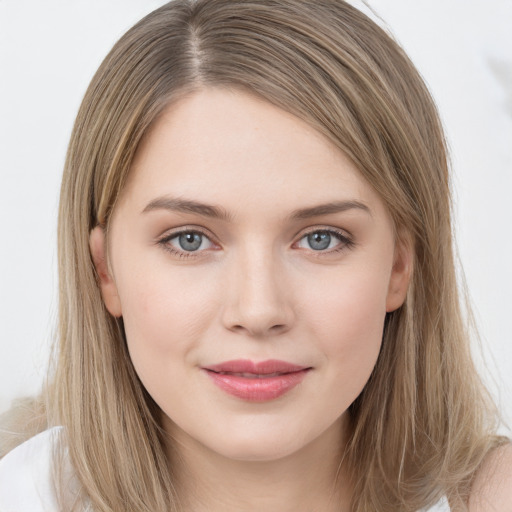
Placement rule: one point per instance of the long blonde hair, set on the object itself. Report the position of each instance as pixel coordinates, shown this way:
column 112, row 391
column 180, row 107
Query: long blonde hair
column 423, row 423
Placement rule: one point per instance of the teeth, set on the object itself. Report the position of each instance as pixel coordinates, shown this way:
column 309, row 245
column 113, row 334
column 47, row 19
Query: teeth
column 252, row 375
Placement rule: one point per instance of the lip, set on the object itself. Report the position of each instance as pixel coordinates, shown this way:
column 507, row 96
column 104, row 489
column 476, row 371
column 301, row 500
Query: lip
column 261, row 368
column 256, row 382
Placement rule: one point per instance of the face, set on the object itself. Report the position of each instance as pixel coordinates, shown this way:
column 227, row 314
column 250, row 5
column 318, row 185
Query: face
column 253, row 267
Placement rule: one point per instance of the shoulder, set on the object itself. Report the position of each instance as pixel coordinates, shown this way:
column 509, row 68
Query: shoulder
column 492, row 488
column 26, row 475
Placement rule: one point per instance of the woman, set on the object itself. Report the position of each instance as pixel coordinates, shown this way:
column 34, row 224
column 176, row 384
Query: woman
column 258, row 305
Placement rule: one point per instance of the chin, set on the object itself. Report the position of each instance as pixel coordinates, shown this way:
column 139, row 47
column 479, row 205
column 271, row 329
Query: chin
column 256, row 449
column 261, row 440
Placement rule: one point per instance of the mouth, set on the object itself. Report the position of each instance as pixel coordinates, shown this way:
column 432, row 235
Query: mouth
column 253, row 375
column 256, row 382
column 247, row 368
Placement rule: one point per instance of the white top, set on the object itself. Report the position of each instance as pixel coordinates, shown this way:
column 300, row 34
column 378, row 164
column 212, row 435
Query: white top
column 25, row 476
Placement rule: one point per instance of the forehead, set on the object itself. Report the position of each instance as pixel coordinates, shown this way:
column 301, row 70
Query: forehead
column 233, row 148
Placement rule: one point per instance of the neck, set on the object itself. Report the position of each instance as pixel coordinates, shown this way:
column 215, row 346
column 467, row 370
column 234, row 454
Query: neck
column 310, row 479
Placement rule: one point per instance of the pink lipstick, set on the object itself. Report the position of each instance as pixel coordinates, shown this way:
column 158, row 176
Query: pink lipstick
column 256, row 382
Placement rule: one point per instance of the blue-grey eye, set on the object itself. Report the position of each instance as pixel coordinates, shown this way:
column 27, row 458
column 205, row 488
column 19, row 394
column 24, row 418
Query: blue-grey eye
column 319, row 240
column 322, row 239
column 190, row 240
column 186, row 242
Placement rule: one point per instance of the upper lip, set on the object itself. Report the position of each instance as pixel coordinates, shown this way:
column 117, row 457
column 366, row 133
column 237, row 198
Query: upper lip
column 271, row 366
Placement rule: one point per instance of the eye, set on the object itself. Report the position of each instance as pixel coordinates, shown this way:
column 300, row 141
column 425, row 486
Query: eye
column 188, row 241
column 324, row 239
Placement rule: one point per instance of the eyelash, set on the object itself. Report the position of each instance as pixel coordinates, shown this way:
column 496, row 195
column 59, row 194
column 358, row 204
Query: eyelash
column 164, row 242
column 345, row 242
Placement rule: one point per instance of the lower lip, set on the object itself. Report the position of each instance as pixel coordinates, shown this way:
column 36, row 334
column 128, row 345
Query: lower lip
column 257, row 390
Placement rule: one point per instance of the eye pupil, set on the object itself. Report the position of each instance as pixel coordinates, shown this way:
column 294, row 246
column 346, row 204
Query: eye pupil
column 190, row 241
column 319, row 240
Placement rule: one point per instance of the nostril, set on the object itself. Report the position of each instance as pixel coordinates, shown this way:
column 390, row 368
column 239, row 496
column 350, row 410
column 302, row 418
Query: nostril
column 259, row 331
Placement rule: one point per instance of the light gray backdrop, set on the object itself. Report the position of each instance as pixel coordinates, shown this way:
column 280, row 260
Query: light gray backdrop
column 48, row 53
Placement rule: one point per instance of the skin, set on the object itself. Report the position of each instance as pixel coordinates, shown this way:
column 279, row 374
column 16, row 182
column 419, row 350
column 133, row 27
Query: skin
column 255, row 289
column 492, row 488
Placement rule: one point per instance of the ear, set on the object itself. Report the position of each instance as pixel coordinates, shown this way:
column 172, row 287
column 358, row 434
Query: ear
column 400, row 273
column 107, row 284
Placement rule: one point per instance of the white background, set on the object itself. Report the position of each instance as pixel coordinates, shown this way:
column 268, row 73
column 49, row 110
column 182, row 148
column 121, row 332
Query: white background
column 49, row 51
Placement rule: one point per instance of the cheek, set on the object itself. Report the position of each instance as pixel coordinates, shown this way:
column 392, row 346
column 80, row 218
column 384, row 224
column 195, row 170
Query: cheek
column 164, row 314
column 348, row 319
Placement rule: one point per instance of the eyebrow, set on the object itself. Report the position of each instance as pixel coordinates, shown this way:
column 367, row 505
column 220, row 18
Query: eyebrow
column 176, row 204
column 329, row 208
column 207, row 210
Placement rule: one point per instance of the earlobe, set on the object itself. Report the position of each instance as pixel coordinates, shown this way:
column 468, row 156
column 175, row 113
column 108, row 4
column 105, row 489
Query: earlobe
column 400, row 275
column 106, row 282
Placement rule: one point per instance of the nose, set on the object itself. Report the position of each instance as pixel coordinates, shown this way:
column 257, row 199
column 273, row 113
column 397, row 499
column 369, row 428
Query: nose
column 258, row 302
